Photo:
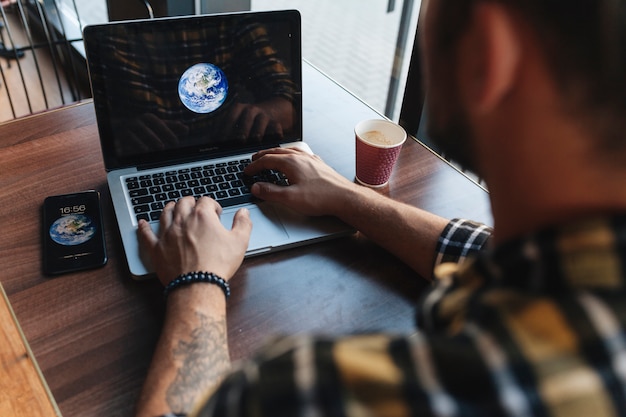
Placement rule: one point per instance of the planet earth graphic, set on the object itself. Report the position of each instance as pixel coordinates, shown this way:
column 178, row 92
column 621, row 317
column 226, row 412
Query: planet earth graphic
column 72, row 229
column 203, row 88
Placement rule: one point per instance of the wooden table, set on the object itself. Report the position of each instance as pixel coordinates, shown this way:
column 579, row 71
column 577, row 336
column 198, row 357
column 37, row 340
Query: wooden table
column 93, row 332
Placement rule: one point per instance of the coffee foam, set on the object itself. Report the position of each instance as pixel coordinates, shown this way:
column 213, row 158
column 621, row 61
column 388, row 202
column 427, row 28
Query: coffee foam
column 376, row 137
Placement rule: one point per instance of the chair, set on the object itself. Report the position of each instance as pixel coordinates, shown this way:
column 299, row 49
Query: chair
column 43, row 67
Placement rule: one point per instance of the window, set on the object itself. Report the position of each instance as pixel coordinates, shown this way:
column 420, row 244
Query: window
column 364, row 46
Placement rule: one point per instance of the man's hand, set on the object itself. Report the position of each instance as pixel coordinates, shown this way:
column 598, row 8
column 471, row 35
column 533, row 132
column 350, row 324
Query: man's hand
column 250, row 123
column 192, row 238
column 192, row 353
column 315, row 189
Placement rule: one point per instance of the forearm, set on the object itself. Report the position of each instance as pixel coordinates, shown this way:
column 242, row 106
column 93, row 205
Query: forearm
column 192, row 353
column 409, row 233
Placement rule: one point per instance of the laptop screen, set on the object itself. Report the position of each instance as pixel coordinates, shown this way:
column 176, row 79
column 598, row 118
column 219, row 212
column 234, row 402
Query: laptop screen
column 178, row 89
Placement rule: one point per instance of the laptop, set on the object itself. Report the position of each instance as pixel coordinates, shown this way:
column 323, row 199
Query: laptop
column 183, row 103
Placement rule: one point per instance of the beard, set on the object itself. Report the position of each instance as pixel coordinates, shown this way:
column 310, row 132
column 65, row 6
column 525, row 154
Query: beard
column 447, row 121
column 448, row 126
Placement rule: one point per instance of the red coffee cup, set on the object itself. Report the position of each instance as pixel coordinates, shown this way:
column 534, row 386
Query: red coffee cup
column 378, row 144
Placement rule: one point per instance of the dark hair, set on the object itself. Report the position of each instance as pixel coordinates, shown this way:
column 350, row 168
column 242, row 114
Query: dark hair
column 584, row 42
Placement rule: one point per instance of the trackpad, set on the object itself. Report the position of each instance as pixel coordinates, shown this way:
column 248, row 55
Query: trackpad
column 267, row 229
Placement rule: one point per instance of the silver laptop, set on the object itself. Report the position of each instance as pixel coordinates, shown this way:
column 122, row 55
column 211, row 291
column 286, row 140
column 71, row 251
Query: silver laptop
column 183, row 103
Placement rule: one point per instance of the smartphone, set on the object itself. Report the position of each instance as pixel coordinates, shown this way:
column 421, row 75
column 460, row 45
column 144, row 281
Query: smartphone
column 73, row 235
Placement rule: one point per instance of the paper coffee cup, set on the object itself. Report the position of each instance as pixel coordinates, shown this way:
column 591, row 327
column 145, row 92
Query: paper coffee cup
column 378, row 144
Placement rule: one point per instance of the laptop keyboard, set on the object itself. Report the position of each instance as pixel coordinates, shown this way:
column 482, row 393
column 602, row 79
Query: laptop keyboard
column 224, row 182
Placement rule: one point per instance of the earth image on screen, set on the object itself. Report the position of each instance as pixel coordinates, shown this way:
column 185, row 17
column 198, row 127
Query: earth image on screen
column 72, row 230
column 203, row 88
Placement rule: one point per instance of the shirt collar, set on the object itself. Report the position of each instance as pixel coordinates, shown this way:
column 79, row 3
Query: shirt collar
column 588, row 254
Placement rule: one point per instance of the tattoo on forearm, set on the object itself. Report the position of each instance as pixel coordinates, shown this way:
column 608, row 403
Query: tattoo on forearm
column 204, row 360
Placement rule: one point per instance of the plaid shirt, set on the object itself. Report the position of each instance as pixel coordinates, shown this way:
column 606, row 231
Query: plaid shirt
column 532, row 328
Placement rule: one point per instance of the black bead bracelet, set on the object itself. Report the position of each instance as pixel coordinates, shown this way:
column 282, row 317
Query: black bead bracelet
column 197, row 276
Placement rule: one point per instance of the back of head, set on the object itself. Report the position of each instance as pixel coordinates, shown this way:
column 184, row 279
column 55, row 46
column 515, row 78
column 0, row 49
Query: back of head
column 584, row 42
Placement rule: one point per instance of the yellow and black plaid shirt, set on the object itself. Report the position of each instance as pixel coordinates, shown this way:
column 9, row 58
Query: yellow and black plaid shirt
column 534, row 327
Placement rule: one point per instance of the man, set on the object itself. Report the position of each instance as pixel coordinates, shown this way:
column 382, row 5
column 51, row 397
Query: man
column 529, row 94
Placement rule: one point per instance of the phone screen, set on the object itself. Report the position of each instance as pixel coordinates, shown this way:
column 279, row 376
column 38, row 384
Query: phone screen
column 73, row 237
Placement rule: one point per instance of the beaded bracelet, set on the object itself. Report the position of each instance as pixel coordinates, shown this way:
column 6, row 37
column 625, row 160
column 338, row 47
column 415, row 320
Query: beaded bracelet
column 197, row 276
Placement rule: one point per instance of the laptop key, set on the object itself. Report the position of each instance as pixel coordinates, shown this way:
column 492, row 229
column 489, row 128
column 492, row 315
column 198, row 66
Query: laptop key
column 142, row 200
column 233, row 201
column 132, row 185
column 142, row 209
column 137, row 193
column 143, row 216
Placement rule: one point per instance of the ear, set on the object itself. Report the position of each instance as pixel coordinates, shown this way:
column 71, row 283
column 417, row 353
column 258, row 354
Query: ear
column 490, row 55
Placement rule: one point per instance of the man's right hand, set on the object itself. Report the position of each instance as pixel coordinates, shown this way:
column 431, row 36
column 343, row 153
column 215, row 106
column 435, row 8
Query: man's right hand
column 315, row 189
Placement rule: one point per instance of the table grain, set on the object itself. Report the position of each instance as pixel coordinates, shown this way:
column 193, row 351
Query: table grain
column 93, row 332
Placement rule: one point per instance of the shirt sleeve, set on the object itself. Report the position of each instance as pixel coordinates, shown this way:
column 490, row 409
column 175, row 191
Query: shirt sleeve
column 301, row 376
column 359, row 375
column 460, row 239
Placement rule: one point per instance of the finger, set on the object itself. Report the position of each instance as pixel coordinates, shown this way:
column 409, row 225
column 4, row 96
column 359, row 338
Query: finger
column 276, row 151
column 246, row 121
column 147, row 238
column 183, row 208
column 270, row 192
column 208, row 204
column 260, row 127
column 231, row 119
column 275, row 161
column 166, row 217
column 242, row 224
column 275, row 129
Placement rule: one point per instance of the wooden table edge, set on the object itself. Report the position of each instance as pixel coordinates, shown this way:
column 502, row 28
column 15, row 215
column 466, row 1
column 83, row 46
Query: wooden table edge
column 35, row 391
